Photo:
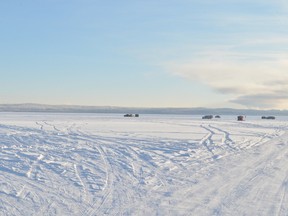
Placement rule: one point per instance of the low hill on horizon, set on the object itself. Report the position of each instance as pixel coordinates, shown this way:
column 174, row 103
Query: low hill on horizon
column 29, row 107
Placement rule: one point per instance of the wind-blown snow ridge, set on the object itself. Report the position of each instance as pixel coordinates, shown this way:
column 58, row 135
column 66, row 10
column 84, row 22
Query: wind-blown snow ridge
column 88, row 164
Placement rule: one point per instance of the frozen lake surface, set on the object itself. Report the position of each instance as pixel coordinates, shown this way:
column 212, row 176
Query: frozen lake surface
column 92, row 164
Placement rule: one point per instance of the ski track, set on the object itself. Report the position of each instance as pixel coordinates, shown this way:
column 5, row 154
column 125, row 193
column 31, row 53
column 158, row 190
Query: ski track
column 155, row 166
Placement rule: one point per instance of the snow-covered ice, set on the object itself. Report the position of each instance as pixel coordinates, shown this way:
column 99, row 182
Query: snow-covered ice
column 100, row 164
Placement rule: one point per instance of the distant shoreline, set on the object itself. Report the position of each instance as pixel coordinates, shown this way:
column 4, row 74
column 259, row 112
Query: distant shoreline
column 40, row 108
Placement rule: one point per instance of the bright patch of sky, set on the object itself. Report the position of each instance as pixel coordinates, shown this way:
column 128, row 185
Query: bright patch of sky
column 162, row 53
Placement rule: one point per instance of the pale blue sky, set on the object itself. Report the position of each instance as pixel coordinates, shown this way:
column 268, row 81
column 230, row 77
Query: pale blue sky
column 148, row 53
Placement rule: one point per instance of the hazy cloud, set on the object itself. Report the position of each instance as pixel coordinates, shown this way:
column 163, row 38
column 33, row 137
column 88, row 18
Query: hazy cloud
column 231, row 90
column 270, row 100
column 257, row 81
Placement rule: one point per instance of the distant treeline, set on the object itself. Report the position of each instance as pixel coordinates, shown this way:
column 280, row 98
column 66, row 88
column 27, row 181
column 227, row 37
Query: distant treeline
column 112, row 109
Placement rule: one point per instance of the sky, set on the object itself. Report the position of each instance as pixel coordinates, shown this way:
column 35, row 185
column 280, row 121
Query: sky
column 145, row 53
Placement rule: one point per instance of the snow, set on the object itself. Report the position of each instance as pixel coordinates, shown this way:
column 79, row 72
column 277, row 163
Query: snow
column 105, row 164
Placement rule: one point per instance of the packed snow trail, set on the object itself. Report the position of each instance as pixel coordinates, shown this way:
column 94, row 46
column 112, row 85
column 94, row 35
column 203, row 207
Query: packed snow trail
column 253, row 182
column 85, row 164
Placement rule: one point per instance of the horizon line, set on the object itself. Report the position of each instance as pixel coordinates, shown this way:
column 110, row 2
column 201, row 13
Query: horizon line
column 134, row 107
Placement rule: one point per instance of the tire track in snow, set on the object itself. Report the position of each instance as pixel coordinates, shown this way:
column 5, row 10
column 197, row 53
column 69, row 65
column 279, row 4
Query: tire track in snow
column 208, row 142
column 84, row 190
column 40, row 125
column 134, row 149
column 282, row 209
column 22, row 142
column 29, row 172
column 136, row 155
column 113, row 145
column 107, row 189
column 53, row 126
column 253, row 180
column 226, row 140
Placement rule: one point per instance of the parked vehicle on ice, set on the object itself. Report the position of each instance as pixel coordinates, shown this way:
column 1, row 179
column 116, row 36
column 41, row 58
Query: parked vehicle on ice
column 131, row 115
column 268, row 117
column 207, row 117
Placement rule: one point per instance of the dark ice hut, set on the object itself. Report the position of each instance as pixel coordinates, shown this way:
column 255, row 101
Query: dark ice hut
column 240, row 118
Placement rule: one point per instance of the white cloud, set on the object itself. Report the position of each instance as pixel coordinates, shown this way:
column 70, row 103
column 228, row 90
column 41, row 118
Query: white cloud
column 245, row 77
